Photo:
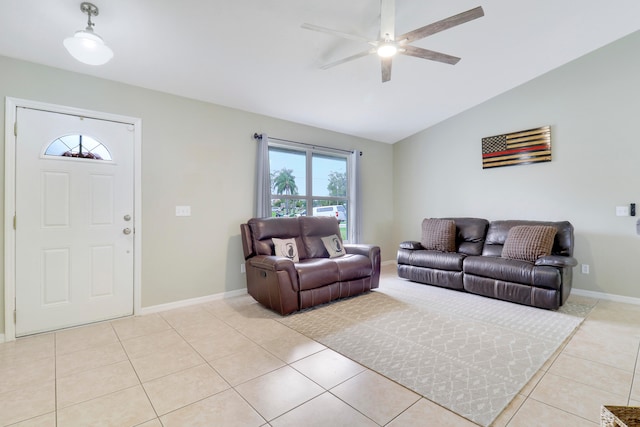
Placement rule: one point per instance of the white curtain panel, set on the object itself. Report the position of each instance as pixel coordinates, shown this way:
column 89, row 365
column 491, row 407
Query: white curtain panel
column 263, row 177
column 355, row 210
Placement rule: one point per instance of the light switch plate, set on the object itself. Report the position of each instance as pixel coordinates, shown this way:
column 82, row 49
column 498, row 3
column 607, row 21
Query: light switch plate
column 183, row 210
column 622, row 210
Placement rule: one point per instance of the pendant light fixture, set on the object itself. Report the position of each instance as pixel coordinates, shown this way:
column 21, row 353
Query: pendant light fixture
column 85, row 45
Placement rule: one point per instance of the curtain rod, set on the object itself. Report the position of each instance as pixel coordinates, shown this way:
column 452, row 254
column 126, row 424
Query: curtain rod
column 259, row 136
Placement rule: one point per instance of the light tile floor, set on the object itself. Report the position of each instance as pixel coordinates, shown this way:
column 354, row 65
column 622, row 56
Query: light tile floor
column 229, row 363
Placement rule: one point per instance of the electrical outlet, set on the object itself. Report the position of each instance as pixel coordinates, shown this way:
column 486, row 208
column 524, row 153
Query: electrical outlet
column 243, row 269
column 585, row 268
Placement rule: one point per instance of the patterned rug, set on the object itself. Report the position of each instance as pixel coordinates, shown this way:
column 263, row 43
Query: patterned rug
column 467, row 353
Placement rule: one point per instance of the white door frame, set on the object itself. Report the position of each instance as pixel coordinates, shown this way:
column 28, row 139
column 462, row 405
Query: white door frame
column 10, row 200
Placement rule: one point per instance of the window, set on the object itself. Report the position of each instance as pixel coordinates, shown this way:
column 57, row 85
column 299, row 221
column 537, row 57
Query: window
column 80, row 146
column 309, row 181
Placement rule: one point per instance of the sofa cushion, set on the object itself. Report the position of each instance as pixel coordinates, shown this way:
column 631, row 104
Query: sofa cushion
column 522, row 294
column 512, row 270
column 313, row 229
column 439, row 234
column 470, row 234
column 451, row 261
column 316, row 272
column 352, row 266
column 264, row 229
column 333, row 245
column 286, row 248
column 528, row 242
column 432, row 276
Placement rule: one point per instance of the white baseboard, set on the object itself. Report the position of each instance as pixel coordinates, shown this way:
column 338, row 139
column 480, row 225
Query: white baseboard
column 606, row 297
column 180, row 304
column 391, row 262
column 189, row 302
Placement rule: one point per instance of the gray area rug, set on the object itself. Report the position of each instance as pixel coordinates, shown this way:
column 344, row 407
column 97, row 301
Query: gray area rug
column 467, row 353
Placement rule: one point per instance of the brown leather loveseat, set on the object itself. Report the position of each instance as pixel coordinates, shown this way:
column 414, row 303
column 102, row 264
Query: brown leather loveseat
column 305, row 275
column 527, row 262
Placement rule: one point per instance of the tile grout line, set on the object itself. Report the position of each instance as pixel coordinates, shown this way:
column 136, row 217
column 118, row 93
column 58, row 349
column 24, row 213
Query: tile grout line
column 144, row 390
column 231, row 387
column 206, row 362
column 563, row 347
column 287, row 364
column 562, row 410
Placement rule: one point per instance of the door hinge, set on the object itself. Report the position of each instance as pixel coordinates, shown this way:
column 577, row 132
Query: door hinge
column 15, row 317
column 14, row 222
column 15, row 128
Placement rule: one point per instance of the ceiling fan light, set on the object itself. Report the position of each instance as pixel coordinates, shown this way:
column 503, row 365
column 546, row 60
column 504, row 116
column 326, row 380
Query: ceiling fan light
column 88, row 48
column 387, row 50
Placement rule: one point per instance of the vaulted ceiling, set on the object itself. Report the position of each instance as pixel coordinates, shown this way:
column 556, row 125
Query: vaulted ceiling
column 254, row 56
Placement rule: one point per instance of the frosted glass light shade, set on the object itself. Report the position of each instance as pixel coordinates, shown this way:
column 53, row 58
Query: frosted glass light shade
column 387, row 50
column 88, row 48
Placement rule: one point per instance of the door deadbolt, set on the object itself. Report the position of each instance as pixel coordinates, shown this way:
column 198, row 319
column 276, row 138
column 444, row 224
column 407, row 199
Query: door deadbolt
column 127, row 231
column 127, row 217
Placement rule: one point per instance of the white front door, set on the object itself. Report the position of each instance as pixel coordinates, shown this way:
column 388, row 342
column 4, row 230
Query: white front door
column 74, row 220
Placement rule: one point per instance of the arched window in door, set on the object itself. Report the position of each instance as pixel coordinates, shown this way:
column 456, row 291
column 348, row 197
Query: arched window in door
column 80, row 146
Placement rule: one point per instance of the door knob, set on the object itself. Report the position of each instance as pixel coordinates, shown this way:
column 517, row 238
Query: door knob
column 127, row 231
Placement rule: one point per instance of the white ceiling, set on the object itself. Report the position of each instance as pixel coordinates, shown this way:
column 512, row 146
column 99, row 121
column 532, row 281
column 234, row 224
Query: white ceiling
column 253, row 55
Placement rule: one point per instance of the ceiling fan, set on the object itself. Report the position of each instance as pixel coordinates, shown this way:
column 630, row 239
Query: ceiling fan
column 389, row 44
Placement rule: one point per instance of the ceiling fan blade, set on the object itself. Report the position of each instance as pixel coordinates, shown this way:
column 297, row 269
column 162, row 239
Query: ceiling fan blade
column 386, row 69
column 441, row 25
column 348, row 36
column 387, row 19
column 348, row 58
column 419, row 52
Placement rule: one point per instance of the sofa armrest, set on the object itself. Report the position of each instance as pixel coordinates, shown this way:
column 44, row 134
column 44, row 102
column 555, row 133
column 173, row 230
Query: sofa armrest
column 373, row 253
column 411, row 245
column 557, row 261
column 272, row 263
column 360, row 249
column 276, row 264
column 273, row 281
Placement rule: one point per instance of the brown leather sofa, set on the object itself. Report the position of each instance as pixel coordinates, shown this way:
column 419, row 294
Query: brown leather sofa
column 286, row 286
column 477, row 265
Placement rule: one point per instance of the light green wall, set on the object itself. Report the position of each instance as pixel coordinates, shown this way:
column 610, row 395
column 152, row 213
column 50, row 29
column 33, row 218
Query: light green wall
column 593, row 107
column 202, row 155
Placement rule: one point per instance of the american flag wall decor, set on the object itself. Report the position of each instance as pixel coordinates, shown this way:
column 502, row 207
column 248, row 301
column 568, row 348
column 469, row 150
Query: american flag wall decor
column 518, row 148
